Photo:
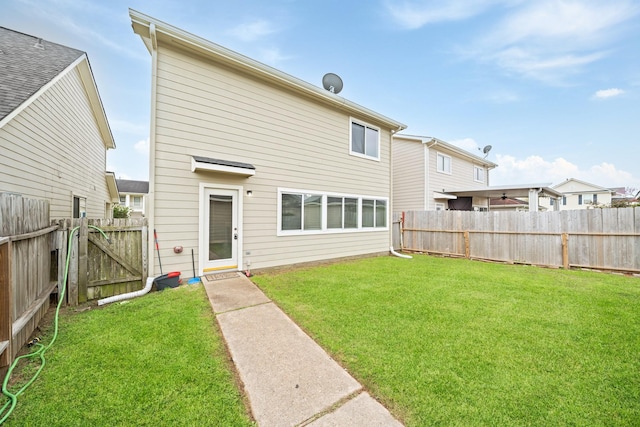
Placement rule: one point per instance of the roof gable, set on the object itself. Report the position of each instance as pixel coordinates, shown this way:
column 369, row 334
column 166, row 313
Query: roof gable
column 576, row 185
column 26, row 64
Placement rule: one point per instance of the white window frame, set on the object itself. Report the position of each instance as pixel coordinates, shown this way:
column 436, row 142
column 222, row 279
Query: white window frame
column 324, row 229
column 478, row 170
column 366, row 125
column 444, row 156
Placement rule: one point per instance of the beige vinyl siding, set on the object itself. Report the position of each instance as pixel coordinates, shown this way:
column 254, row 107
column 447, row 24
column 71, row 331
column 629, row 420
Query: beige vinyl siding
column 53, row 150
column 461, row 177
column 206, row 110
column 408, row 174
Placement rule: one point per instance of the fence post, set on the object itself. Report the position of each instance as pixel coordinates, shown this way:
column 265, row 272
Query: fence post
column 6, row 320
column 565, row 251
column 467, row 245
column 83, row 260
column 72, row 290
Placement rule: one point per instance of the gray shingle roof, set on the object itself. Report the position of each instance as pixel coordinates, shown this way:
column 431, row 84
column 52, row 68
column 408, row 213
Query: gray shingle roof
column 26, row 64
column 130, row 186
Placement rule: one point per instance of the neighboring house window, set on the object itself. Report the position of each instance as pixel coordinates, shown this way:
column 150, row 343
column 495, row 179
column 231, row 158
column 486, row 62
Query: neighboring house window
column 478, row 174
column 443, row 163
column 564, row 200
column 136, row 202
column 551, row 202
column 481, row 209
column 579, row 199
column 123, row 200
column 365, row 140
column 325, row 212
column 439, row 206
column 79, row 207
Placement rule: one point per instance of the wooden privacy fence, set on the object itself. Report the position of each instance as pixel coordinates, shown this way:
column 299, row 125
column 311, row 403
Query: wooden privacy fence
column 603, row 239
column 33, row 253
column 27, row 276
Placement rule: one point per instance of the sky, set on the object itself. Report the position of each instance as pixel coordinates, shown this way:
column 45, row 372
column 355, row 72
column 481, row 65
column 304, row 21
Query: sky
column 552, row 85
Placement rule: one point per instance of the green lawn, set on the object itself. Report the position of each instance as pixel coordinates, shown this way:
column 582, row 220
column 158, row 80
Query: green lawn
column 456, row 342
column 155, row 360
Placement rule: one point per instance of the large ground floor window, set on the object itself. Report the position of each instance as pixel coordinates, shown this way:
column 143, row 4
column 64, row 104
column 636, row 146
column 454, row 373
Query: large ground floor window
column 301, row 211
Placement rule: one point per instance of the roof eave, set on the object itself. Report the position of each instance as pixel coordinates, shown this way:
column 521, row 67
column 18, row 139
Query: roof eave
column 168, row 33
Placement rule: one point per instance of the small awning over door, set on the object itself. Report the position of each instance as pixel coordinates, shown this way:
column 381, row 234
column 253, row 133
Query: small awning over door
column 199, row 163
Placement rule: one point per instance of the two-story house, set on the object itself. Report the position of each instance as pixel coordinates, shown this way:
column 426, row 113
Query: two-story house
column 425, row 169
column 251, row 167
column 54, row 133
column 133, row 194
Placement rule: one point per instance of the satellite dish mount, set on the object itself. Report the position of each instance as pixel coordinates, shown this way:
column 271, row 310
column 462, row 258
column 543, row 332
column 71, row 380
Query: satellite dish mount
column 332, row 83
column 486, row 150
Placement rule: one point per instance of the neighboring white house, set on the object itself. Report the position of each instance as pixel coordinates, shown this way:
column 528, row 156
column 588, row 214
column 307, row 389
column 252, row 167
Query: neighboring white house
column 133, row 194
column 425, row 168
column 54, row 133
column 251, row 167
column 578, row 194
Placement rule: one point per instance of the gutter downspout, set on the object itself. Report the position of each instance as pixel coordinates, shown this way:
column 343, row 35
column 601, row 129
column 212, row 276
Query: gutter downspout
column 390, row 213
column 129, row 295
column 152, row 150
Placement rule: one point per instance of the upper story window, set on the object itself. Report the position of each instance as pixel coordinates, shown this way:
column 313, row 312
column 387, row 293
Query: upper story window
column 123, row 200
column 136, row 202
column 478, row 174
column 564, row 200
column 443, row 163
column 365, row 140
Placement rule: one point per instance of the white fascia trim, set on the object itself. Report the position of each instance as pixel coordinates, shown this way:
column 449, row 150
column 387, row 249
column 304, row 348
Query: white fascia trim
column 437, row 195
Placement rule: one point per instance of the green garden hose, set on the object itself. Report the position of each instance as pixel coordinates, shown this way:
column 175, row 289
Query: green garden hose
column 8, row 407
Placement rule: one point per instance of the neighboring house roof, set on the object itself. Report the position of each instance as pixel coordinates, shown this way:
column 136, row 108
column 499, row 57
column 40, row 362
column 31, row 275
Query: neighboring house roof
column 131, row 186
column 28, row 65
column 587, row 187
column 508, row 201
column 151, row 30
column 519, row 190
column 434, row 142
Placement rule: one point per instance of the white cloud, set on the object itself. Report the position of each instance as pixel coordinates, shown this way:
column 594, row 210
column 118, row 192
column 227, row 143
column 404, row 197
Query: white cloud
column 534, row 169
column 251, row 31
column 608, row 93
column 142, row 146
column 129, row 127
column 272, row 56
column 415, row 14
column 549, row 40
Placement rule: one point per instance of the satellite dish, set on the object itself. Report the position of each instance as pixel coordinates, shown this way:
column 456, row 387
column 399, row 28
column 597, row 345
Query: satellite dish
column 486, row 149
column 332, row 83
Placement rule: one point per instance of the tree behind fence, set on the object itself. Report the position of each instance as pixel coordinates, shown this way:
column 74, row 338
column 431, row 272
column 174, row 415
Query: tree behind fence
column 606, row 239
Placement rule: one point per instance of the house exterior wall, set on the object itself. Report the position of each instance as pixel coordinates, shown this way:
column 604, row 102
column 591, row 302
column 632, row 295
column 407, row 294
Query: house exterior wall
column 129, row 200
column 53, row 150
column 462, row 176
column 409, row 175
column 208, row 110
column 577, row 194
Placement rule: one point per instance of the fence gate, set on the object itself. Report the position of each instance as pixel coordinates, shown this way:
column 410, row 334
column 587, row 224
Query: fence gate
column 104, row 265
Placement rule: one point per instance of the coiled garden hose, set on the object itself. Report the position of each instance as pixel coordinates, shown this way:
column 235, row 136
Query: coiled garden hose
column 41, row 349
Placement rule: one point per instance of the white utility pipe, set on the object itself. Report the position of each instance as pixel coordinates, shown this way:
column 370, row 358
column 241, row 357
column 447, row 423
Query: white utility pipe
column 393, row 252
column 129, row 295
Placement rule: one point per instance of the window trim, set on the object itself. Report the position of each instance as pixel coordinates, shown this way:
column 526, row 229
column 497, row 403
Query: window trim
column 450, row 171
column 477, row 168
column 366, row 125
column 324, row 229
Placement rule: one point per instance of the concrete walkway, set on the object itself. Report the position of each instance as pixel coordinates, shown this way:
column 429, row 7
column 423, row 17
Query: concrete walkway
column 288, row 378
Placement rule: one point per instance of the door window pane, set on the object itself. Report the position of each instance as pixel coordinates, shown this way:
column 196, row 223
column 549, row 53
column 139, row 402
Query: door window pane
column 334, row 212
column 350, row 213
column 368, row 207
column 220, row 226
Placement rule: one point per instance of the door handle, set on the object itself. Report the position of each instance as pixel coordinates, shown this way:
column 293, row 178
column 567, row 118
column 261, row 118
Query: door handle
column 235, row 236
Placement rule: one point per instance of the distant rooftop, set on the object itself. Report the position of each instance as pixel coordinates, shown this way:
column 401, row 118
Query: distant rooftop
column 130, row 186
column 26, row 64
